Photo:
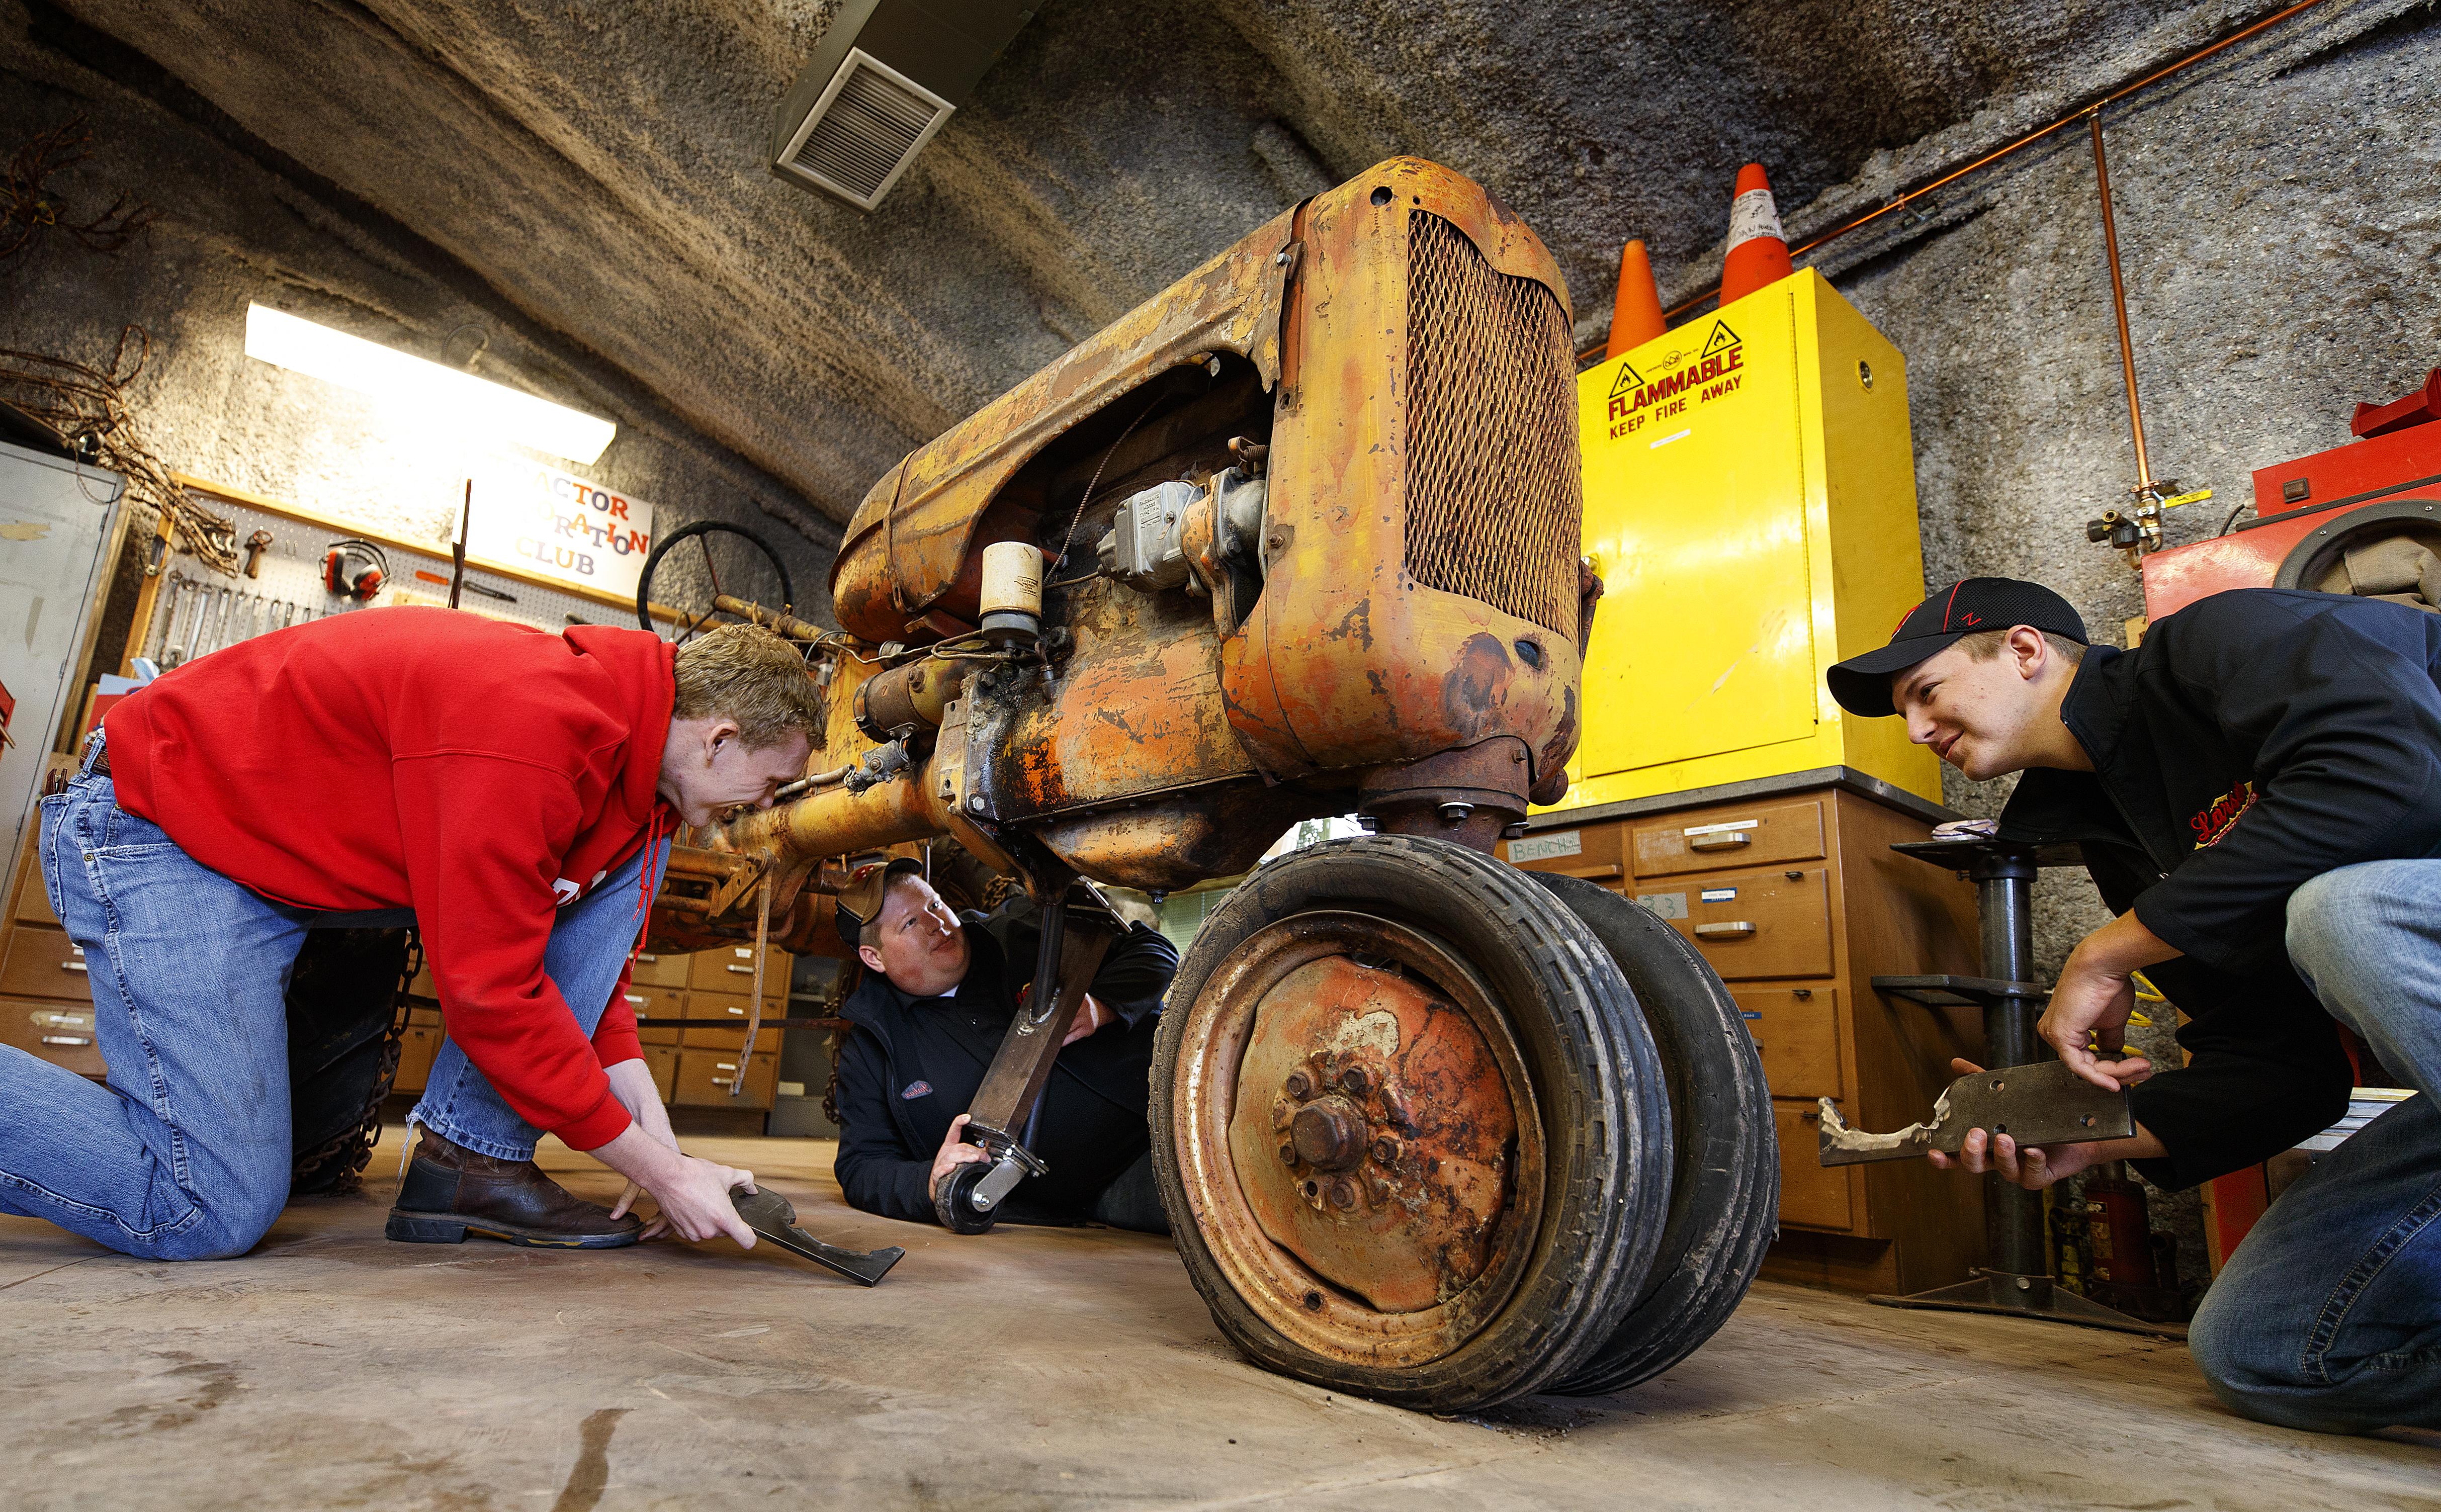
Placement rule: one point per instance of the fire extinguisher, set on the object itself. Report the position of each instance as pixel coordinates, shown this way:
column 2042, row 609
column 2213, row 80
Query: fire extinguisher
column 2119, row 1228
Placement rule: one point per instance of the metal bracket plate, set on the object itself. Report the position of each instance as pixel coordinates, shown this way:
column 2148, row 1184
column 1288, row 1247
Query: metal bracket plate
column 2043, row 1104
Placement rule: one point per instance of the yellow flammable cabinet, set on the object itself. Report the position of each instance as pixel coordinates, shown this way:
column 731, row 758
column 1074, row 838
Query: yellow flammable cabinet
column 1750, row 503
column 1750, row 506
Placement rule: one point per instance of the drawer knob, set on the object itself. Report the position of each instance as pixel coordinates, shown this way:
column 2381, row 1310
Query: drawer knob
column 1734, row 930
column 1728, row 840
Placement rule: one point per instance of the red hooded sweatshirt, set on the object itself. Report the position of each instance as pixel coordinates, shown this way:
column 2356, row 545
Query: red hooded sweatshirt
column 483, row 774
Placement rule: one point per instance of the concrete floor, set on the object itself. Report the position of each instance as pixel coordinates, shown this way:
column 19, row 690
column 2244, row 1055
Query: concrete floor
column 1028, row 1368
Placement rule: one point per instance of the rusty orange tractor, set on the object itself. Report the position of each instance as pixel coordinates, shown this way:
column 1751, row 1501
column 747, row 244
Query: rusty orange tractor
column 1305, row 535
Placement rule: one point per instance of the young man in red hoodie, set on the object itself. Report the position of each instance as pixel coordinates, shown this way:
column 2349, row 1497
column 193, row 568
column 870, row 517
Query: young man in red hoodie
column 508, row 792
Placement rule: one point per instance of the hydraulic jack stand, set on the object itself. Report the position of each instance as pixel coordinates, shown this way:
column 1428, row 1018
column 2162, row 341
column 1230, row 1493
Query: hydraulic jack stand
column 1077, row 933
column 2018, row 1284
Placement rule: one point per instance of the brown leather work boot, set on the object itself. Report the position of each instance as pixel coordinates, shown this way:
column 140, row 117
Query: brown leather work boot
column 451, row 1192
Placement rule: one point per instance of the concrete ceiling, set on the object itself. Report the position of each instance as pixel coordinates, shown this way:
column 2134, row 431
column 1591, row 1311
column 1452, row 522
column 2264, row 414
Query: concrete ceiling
column 598, row 164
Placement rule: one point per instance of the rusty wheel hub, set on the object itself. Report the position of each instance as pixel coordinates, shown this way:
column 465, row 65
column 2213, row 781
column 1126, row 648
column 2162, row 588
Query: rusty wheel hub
column 1361, row 1138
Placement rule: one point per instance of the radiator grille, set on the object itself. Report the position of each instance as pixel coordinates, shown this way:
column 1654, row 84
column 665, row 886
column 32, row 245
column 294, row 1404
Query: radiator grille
column 1495, row 502
column 874, row 124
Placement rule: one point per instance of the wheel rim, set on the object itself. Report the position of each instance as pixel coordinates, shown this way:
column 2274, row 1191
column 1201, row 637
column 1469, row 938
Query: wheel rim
column 1383, row 1222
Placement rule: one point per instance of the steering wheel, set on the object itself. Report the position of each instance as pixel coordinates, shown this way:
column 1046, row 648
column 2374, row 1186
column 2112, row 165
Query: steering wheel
column 750, row 571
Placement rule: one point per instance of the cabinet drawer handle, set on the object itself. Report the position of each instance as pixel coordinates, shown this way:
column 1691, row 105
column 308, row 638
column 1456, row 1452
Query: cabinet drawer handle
column 725, row 1065
column 724, row 1081
column 75, row 966
column 648, row 958
column 1738, row 929
column 739, row 1012
column 64, row 1039
column 632, row 997
column 743, row 971
column 1727, row 841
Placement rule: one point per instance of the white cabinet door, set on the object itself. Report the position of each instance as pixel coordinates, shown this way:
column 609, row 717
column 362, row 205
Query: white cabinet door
column 60, row 531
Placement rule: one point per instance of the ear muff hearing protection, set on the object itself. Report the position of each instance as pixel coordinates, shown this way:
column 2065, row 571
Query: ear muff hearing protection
column 355, row 570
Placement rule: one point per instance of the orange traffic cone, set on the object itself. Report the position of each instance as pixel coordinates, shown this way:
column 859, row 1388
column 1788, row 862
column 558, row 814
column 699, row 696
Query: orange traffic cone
column 1758, row 254
column 1635, row 315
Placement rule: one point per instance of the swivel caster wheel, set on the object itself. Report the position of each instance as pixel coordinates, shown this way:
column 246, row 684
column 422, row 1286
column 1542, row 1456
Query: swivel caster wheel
column 953, row 1199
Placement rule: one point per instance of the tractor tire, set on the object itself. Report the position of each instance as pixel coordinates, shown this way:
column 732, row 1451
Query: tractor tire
column 1409, row 1125
column 1724, row 1192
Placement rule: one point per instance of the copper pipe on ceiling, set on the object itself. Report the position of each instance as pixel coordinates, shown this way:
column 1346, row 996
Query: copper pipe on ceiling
column 1999, row 153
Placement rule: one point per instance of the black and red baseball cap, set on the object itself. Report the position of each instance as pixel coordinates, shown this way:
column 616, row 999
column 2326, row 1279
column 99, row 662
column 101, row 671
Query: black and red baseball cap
column 1968, row 606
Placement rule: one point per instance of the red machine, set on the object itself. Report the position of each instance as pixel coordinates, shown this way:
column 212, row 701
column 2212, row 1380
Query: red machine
column 2315, row 512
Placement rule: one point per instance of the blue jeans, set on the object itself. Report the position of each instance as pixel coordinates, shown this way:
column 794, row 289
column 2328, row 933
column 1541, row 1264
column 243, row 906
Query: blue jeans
column 2328, row 1317
column 185, row 1154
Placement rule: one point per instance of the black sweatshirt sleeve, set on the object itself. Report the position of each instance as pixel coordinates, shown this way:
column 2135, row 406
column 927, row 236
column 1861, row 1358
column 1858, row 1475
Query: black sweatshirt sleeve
column 2265, row 1071
column 2344, row 720
column 873, row 1168
column 1135, row 973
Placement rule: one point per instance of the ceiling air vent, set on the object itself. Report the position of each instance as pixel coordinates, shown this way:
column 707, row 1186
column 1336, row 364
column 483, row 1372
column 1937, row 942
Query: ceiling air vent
column 888, row 75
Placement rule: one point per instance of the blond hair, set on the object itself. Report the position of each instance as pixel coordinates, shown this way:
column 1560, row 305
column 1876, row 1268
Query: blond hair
column 1985, row 644
column 747, row 674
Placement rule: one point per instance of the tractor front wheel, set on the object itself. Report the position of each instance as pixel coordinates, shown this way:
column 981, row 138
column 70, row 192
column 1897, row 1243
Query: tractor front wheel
column 1410, row 1126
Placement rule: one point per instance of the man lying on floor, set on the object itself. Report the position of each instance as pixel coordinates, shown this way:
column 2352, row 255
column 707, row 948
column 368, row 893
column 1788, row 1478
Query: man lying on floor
column 937, row 997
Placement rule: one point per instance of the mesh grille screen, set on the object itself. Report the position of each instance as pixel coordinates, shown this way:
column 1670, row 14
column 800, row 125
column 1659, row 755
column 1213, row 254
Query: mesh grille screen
column 1495, row 502
column 872, row 124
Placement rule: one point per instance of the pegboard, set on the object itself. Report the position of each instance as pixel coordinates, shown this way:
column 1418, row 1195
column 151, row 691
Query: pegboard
column 194, row 611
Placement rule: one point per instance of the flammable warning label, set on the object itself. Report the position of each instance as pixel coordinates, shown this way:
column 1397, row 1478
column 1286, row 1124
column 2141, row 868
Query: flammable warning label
column 1714, row 371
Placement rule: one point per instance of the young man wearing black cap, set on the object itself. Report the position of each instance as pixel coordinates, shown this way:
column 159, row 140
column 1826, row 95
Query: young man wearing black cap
column 2258, row 793
column 937, row 997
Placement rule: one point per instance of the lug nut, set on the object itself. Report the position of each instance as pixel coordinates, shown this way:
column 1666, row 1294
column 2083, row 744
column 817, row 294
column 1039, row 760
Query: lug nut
column 1386, row 1151
column 1298, row 1083
column 1288, row 1155
column 1456, row 813
column 1343, row 1193
column 1354, row 1081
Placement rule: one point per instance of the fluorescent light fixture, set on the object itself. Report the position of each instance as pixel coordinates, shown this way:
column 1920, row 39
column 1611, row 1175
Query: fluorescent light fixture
column 441, row 397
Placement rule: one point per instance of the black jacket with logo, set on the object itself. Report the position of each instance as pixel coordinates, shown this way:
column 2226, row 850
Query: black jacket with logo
column 895, row 1100
column 2257, row 739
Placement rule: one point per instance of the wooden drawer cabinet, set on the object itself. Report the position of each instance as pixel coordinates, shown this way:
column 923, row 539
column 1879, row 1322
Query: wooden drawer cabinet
column 1795, row 899
column 661, row 971
column 730, row 968
column 33, row 901
column 43, row 963
column 1796, row 1030
column 719, row 1006
column 58, row 1031
column 705, row 1076
column 416, row 1049
column 649, row 1001
column 664, row 1067
column 1809, row 1194
column 1753, row 835
column 1593, row 852
column 1753, row 925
